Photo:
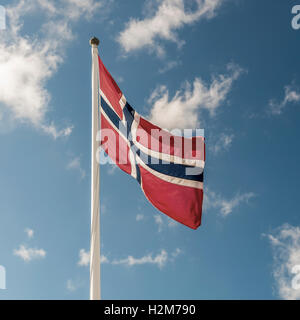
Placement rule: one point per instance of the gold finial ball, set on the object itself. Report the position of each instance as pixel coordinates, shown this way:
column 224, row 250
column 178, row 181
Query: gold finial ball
column 94, row 41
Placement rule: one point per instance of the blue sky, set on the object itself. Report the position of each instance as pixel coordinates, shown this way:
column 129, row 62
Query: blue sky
column 228, row 66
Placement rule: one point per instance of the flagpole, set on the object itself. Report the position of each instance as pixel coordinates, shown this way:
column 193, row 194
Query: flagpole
column 95, row 284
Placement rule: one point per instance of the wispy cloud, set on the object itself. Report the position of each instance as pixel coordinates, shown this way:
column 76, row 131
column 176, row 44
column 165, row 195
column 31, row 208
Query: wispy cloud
column 226, row 206
column 169, row 66
column 71, row 285
column 75, row 164
column 139, row 217
column 223, row 142
column 285, row 242
column 163, row 221
column 160, row 260
column 29, row 233
column 172, row 223
column 183, row 110
column 55, row 133
column 87, row 8
column 176, row 253
column 162, row 24
column 159, row 221
column 291, row 95
column 27, row 62
column 28, row 254
column 84, row 258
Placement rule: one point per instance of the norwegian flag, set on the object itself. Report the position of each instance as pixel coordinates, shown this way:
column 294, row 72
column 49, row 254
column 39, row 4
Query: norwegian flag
column 168, row 168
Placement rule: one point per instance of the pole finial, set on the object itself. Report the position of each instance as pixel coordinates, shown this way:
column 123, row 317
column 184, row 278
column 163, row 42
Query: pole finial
column 94, row 42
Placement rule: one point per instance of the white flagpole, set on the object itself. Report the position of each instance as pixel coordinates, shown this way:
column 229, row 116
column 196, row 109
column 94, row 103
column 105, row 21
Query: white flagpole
column 95, row 181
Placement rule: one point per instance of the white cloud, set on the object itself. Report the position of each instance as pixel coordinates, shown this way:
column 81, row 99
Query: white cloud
column 159, row 221
column 168, row 66
column 74, row 285
column 55, row 133
column 71, row 285
column 170, row 16
column 28, row 62
column 139, row 217
column 66, row 10
column 163, row 221
column 160, row 260
column 77, row 8
column 75, row 164
column 292, row 95
column 172, row 223
column 24, row 71
column 223, row 143
column 182, row 111
column 176, row 253
column 104, row 259
column 29, row 233
column 84, row 258
column 226, row 206
column 285, row 243
column 28, row 254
